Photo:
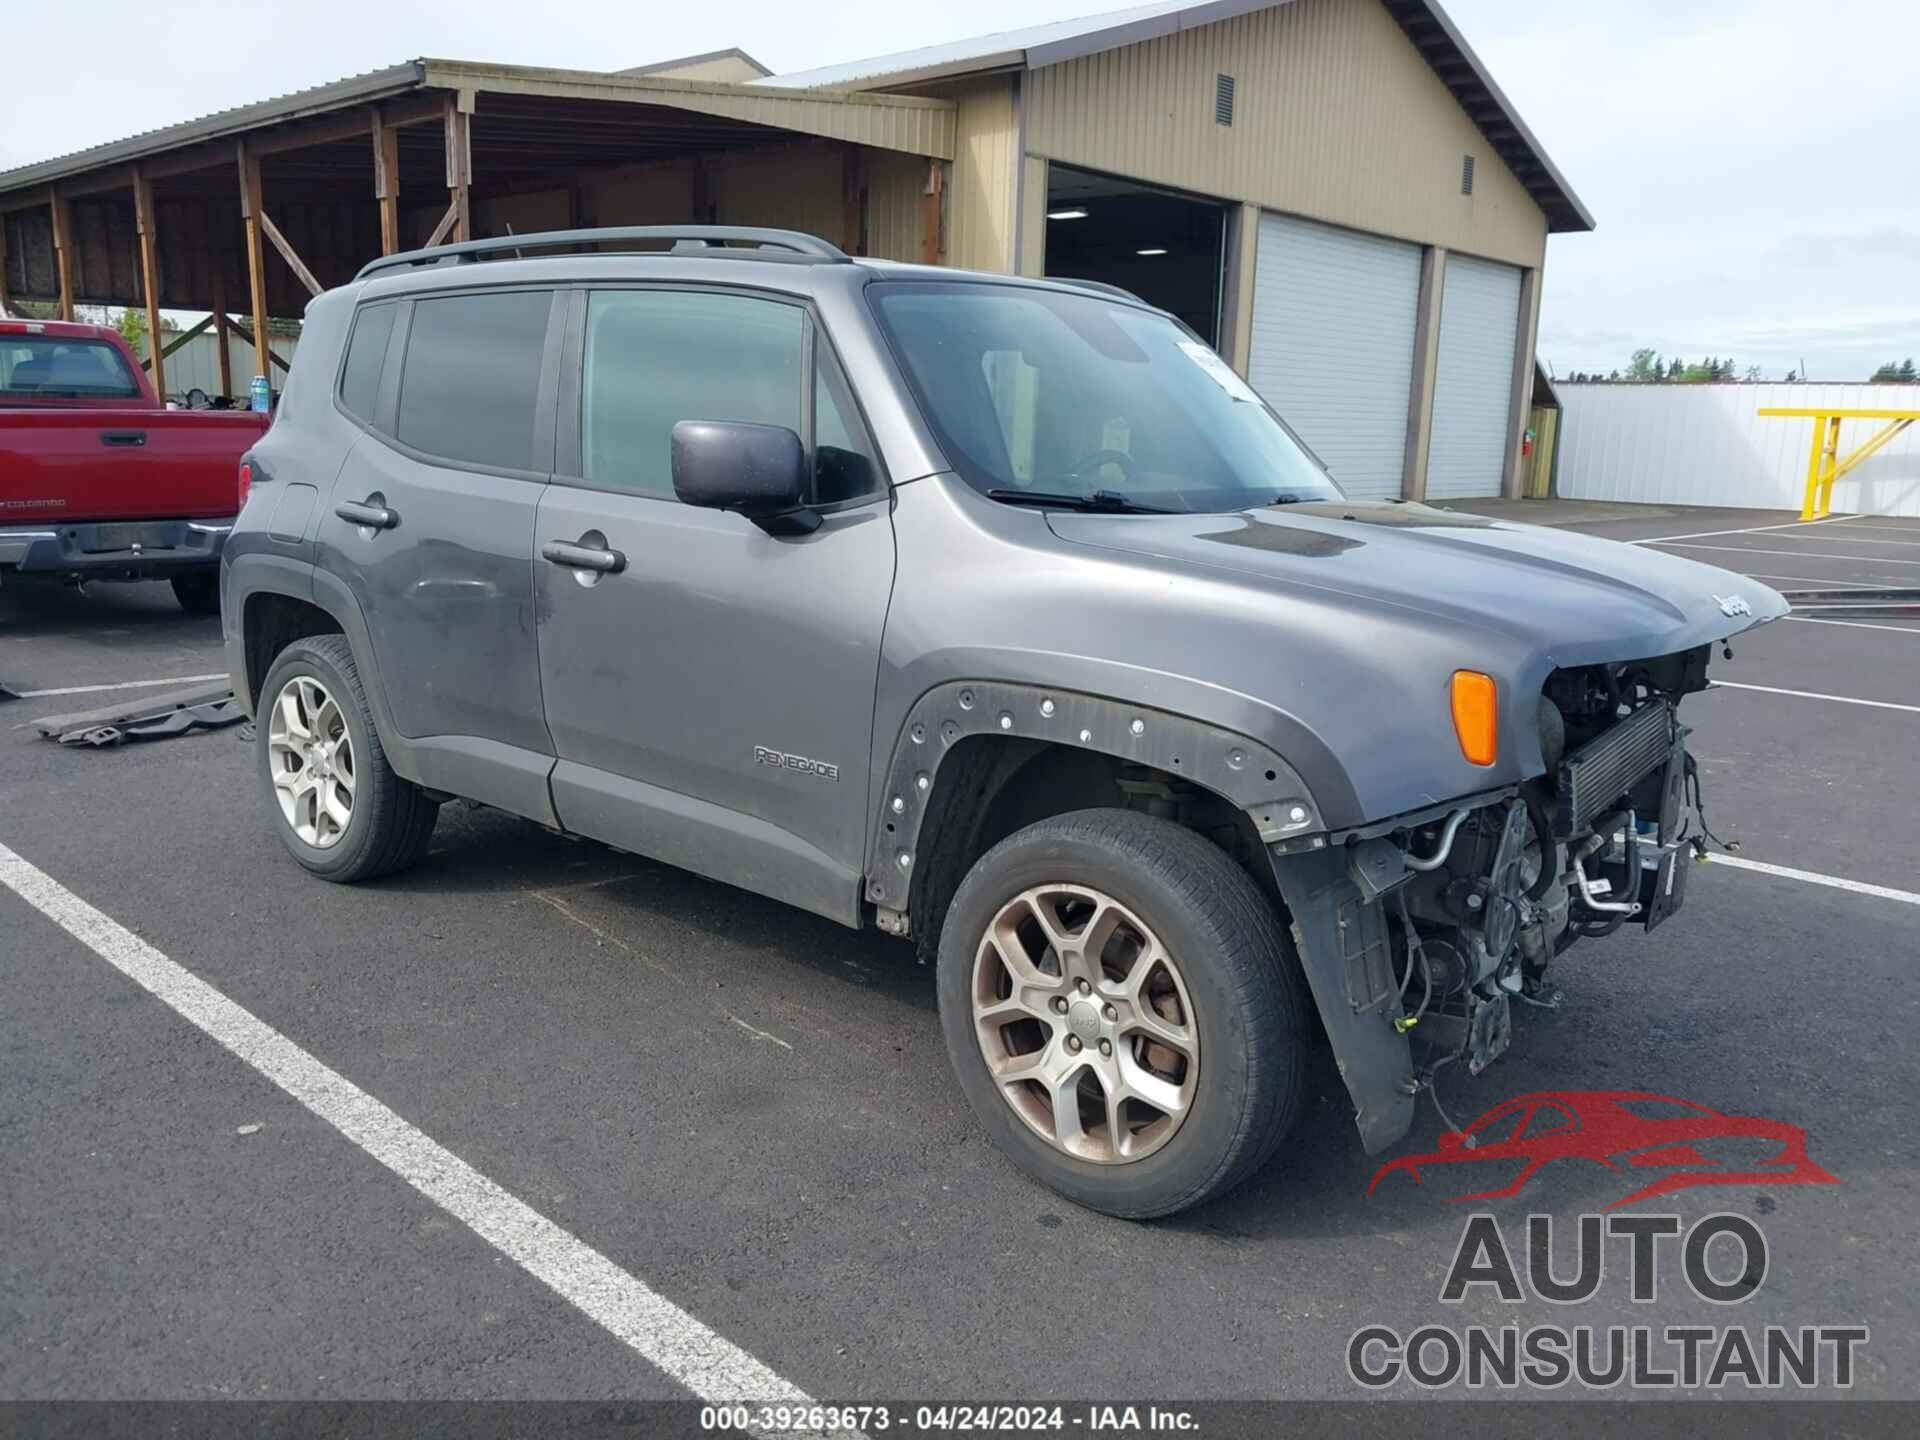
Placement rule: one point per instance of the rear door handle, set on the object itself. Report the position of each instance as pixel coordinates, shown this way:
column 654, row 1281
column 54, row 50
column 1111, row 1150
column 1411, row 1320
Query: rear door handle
column 377, row 517
column 583, row 557
column 123, row 437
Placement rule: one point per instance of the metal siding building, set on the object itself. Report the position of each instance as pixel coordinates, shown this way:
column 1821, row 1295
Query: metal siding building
column 1709, row 445
column 1383, row 211
column 1333, row 192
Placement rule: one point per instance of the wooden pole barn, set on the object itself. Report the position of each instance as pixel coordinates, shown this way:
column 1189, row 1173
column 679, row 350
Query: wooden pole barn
column 281, row 200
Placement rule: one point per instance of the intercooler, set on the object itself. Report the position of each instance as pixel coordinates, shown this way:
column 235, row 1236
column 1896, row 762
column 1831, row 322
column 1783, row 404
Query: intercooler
column 1595, row 777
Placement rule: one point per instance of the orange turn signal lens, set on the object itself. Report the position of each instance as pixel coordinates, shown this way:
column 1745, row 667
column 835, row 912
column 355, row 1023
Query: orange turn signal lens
column 1476, row 721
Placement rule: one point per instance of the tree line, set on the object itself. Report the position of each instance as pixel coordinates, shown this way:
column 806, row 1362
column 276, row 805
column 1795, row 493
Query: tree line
column 1648, row 367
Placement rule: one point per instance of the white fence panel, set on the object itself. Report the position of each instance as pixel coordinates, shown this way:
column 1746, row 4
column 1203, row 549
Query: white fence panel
column 1707, row 445
column 196, row 363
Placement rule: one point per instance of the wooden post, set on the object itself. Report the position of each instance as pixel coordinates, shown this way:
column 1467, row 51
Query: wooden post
column 289, row 254
column 930, row 213
column 63, row 251
column 459, row 166
column 145, row 228
column 222, row 332
column 386, row 181
column 5, row 310
column 256, row 260
column 702, row 184
column 853, row 198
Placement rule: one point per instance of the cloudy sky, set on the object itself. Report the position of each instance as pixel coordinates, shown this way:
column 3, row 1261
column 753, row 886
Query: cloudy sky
column 1754, row 164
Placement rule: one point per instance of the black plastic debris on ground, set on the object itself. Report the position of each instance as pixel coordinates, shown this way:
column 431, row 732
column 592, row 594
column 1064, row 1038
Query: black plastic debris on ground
column 150, row 717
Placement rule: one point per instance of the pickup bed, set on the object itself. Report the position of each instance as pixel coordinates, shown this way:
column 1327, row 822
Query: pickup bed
column 99, row 480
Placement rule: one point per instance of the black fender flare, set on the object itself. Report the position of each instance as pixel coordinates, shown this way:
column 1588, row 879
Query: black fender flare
column 1248, row 774
column 268, row 574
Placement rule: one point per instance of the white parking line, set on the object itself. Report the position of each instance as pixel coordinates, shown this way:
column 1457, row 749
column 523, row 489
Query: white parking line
column 1787, row 872
column 1814, row 695
column 1750, row 530
column 659, row 1331
column 1851, row 624
column 1796, row 554
column 1831, row 539
column 1860, row 522
column 123, row 685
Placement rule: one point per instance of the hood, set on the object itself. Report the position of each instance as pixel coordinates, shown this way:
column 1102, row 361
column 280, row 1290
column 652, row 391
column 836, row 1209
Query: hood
column 1575, row 599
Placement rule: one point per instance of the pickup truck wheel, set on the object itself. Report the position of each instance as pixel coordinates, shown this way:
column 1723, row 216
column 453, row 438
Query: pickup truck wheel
column 1123, row 1011
column 336, row 803
column 199, row 592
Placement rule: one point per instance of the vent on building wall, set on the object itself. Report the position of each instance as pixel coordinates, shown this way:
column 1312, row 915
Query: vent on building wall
column 1466, row 174
column 1223, row 99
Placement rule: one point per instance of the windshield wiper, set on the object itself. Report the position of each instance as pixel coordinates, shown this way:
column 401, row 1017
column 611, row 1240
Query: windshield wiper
column 1099, row 502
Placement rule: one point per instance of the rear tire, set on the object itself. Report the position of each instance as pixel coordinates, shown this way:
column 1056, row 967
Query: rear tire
column 333, row 799
column 198, row 592
column 1078, row 1085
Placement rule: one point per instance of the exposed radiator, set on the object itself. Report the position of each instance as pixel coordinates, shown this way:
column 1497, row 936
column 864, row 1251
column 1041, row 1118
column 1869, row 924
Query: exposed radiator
column 1596, row 775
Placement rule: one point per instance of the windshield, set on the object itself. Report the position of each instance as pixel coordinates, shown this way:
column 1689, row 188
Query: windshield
column 68, row 369
column 1049, row 396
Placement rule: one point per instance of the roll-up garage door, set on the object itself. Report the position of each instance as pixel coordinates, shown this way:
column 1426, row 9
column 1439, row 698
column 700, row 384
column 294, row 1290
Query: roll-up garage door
column 1333, row 321
column 1473, row 384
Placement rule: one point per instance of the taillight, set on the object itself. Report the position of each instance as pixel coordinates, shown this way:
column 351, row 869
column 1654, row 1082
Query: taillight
column 246, row 483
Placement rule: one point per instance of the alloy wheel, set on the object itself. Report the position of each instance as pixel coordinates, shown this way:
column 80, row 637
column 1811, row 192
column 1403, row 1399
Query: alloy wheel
column 310, row 753
column 1085, row 1024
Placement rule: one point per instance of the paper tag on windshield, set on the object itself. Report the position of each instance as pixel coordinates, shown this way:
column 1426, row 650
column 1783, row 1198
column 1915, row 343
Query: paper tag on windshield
column 1221, row 373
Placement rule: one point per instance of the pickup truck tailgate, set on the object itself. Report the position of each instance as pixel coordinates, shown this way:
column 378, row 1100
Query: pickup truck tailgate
column 71, row 464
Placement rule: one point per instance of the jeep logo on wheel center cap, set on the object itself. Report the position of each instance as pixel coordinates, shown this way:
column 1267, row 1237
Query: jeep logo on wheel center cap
column 1084, row 1021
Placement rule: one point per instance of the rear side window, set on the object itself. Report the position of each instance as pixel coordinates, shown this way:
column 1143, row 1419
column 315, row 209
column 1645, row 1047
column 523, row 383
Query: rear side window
column 471, row 381
column 63, row 369
column 366, row 357
column 656, row 357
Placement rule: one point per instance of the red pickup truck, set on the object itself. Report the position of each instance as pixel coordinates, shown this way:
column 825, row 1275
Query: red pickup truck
column 99, row 480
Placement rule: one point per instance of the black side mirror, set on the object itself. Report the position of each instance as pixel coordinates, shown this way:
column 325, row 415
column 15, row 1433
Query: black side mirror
column 759, row 471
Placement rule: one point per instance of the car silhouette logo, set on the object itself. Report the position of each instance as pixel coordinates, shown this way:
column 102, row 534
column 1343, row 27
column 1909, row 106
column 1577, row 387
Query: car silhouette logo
column 1625, row 1130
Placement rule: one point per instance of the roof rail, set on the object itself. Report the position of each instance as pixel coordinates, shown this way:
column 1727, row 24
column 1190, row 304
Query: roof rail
column 1099, row 287
column 792, row 244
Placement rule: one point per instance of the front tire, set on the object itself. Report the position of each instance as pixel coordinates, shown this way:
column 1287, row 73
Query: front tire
column 335, row 802
column 1123, row 1011
column 198, row 592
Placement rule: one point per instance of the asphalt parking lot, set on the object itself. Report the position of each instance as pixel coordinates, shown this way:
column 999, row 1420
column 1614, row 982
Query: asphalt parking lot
column 748, row 1111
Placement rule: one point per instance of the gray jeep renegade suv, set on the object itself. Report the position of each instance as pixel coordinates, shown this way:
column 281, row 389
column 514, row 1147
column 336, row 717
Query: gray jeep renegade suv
column 997, row 613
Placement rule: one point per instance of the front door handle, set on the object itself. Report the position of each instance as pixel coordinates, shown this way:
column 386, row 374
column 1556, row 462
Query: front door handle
column 123, row 437
column 360, row 512
column 596, row 558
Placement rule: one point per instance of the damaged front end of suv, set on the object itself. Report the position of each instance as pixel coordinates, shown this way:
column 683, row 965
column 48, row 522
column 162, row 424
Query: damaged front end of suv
column 1420, row 934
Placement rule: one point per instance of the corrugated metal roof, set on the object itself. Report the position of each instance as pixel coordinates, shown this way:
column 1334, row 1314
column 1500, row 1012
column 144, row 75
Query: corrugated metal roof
column 353, row 90
column 911, row 123
column 896, row 122
column 1032, row 45
column 732, row 52
column 1429, row 27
